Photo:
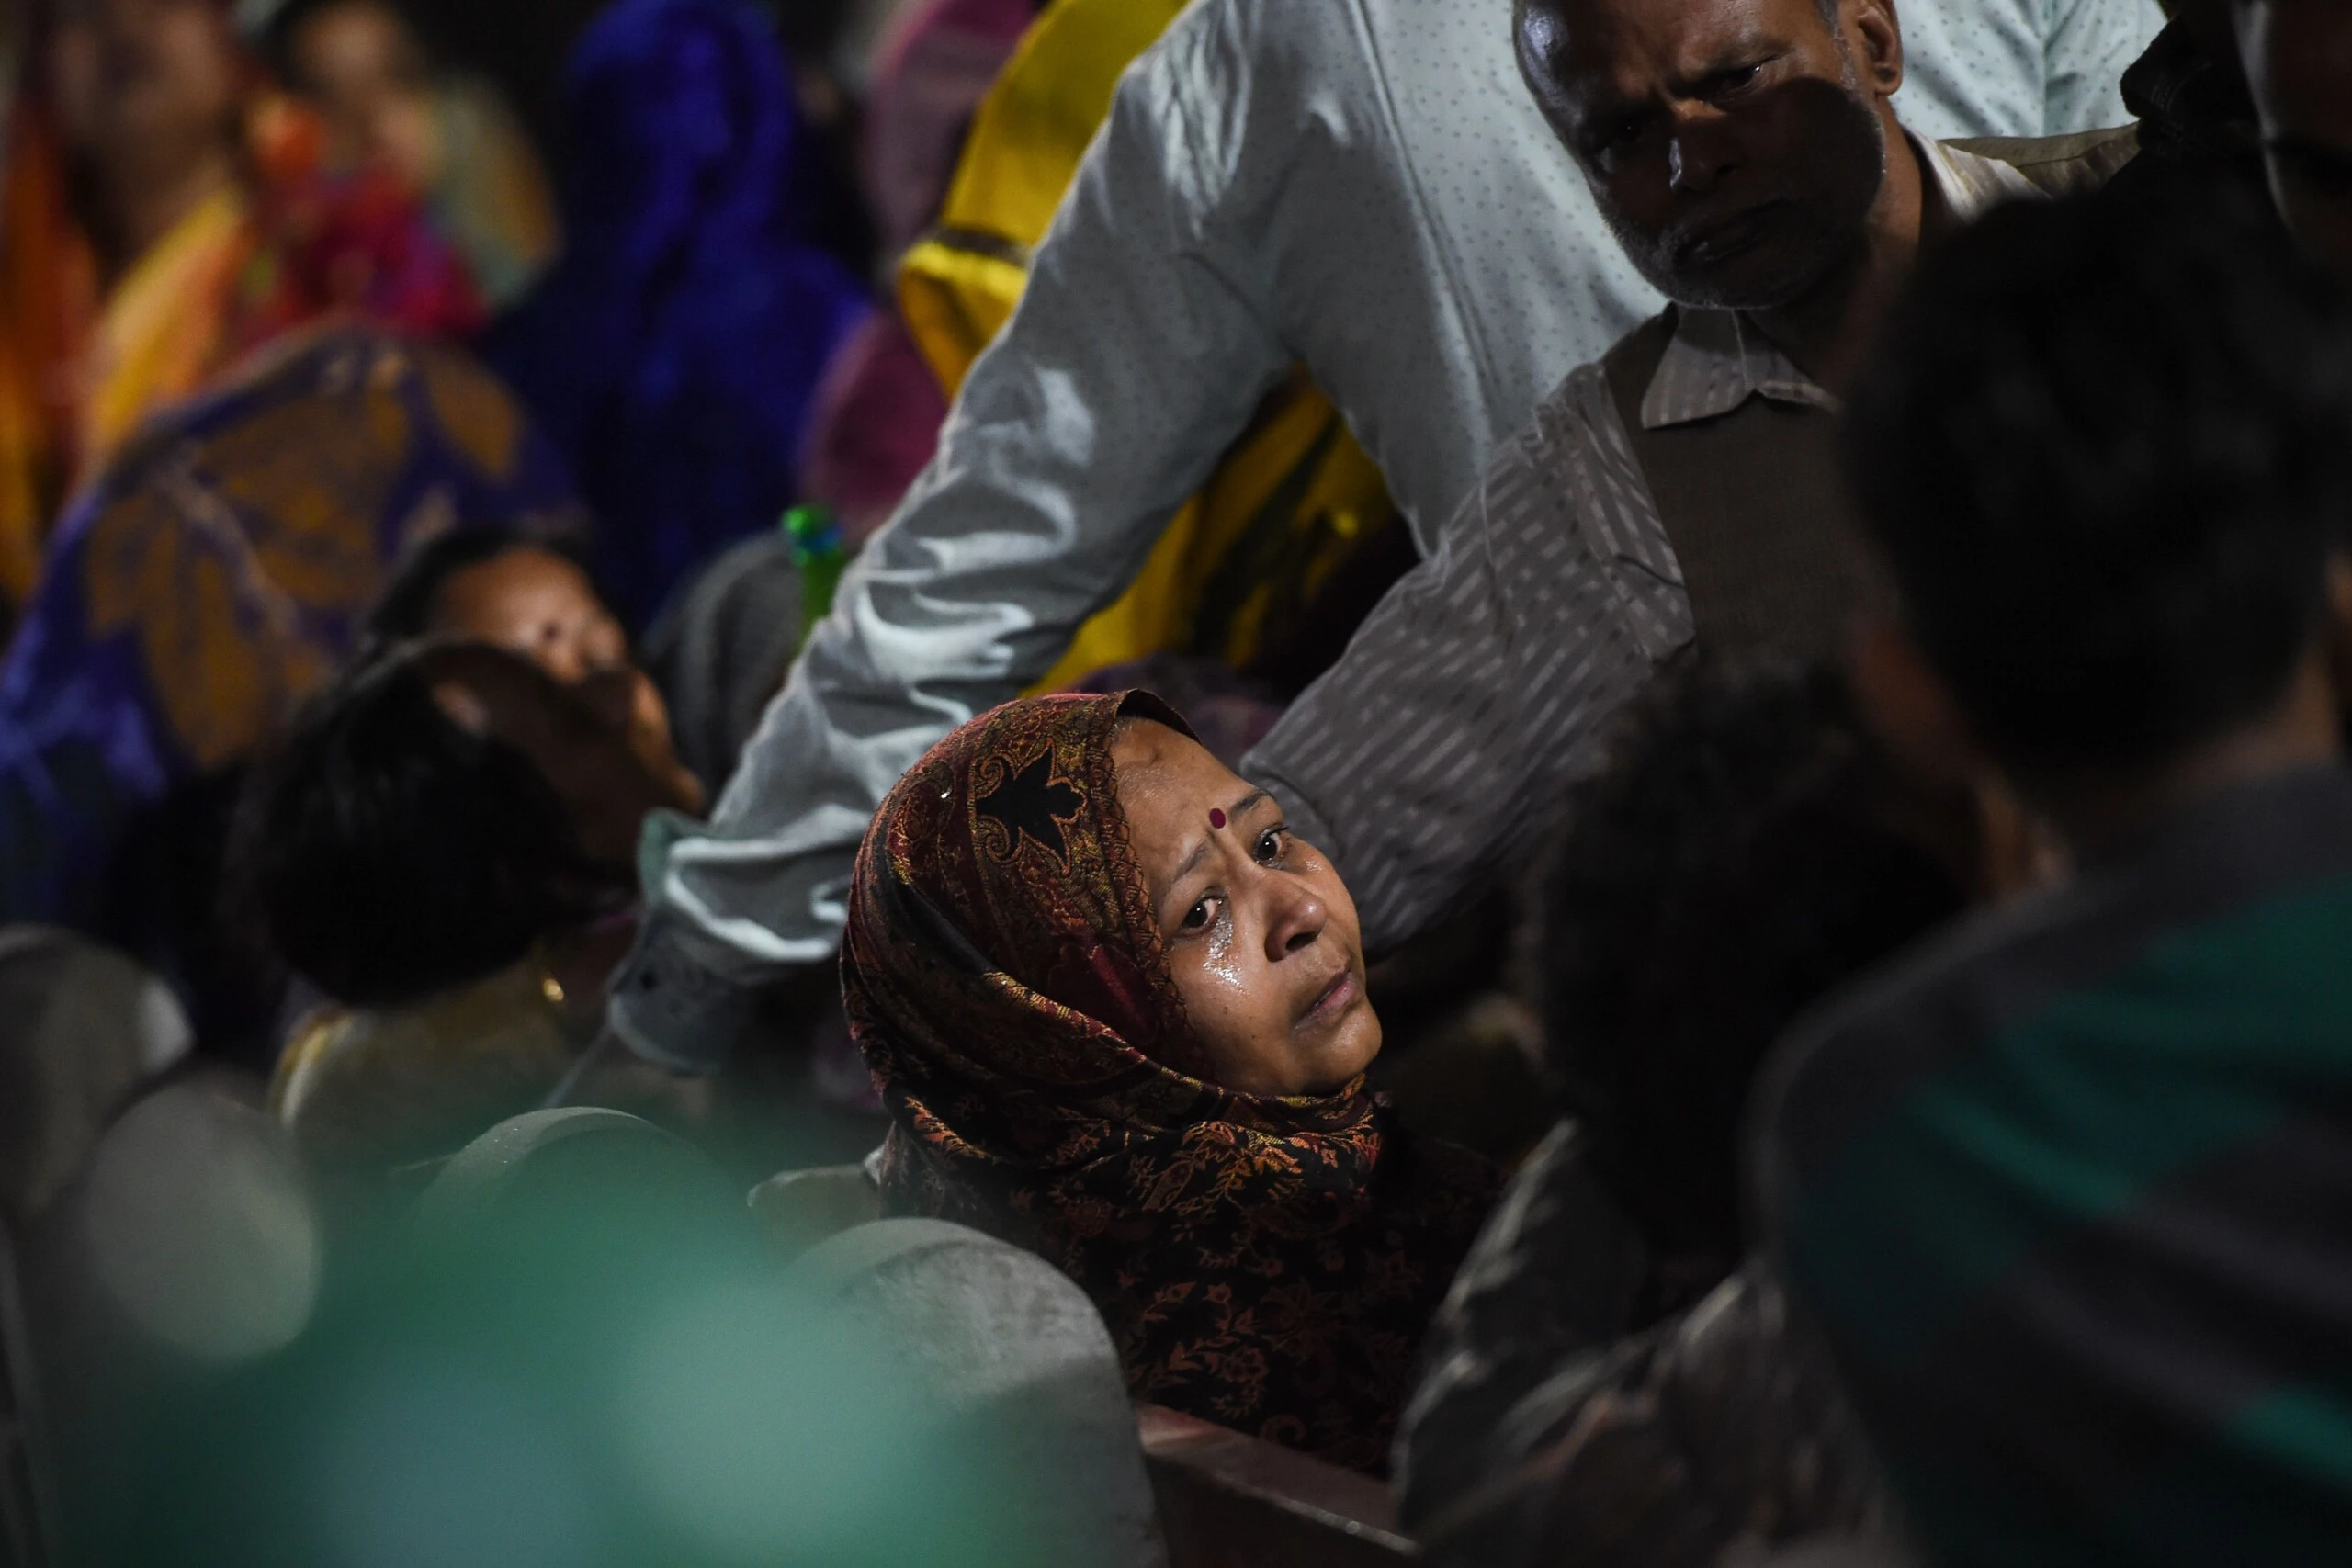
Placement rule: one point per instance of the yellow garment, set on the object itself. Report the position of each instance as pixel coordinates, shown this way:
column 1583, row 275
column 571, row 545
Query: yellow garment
column 78, row 373
column 490, row 198
column 958, row 285
column 369, row 1089
column 1294, row 497
column 164, row 329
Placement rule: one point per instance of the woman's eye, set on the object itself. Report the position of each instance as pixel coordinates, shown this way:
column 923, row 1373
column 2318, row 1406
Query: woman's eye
column 1197, row 918
column 1270, row 845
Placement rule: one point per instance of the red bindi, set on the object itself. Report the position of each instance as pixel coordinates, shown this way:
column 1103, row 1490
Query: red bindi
column 1216, row 817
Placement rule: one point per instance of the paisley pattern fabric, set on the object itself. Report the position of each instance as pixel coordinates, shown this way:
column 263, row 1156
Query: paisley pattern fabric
column 1266, row 1264
column 217, row 572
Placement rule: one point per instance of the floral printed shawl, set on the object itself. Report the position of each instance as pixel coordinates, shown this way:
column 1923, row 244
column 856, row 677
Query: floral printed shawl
column 1266, row 1264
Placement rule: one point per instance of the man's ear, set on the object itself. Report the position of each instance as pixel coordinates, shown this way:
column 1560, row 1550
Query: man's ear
column 1874, row 40
column 2336, row 632
column 1910, row 708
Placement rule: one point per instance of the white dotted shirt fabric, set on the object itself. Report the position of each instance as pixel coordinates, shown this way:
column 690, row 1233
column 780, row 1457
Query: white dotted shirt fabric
column 1363, row 186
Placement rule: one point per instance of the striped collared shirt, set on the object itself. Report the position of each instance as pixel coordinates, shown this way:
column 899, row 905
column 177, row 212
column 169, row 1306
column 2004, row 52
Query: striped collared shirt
column 1442, row 745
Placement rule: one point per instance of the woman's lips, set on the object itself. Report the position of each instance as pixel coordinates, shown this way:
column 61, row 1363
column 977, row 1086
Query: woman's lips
column 1334, row 999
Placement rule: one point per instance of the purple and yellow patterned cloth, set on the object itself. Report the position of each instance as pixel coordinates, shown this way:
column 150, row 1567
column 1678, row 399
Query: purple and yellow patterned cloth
column 217, row 571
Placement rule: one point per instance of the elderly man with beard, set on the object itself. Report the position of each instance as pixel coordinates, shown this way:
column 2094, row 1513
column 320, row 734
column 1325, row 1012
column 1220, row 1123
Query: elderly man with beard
column 1685, row 486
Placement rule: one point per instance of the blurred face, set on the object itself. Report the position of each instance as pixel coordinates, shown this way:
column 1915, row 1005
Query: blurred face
column 543, row 607
column 361, row 68
column 1259, row 931
column 2298, row 57
column 577, row 734
column 1736, row 147
column 142, row 87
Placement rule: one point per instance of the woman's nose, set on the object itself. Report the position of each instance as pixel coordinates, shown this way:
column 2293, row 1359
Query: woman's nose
column 1296, row 918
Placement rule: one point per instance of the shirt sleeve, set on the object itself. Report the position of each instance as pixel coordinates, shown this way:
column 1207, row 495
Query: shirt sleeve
column 1136, row 353
column 1445, row 738
column 2086, row 45
column 1552, row 1278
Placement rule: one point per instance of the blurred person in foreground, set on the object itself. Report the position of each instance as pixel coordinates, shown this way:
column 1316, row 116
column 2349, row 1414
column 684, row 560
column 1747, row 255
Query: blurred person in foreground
column 1604, row 1385
column 444, row 843
column 673, row 352
column 389, row 104
column 164, row 214
column 2067, row 1193
column 219, row 572
column 1367, row 190
column 1117, row 1013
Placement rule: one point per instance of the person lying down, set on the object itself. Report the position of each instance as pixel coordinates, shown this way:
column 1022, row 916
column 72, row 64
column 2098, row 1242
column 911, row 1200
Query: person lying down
column 1117, row 1013
column 444, row 845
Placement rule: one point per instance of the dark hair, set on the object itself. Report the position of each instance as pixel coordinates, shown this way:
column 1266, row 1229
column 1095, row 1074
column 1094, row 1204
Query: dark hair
column 2106, row 448
column 404, row 609
column 1749, row 846
column 388, row 852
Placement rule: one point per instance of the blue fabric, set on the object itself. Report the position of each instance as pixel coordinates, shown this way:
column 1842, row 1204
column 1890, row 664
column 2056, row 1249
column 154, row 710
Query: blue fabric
column 674, row 351
column 217, row 572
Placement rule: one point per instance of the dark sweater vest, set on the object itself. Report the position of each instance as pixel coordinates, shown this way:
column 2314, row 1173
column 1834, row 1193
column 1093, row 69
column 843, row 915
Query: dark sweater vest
column 1755, row 507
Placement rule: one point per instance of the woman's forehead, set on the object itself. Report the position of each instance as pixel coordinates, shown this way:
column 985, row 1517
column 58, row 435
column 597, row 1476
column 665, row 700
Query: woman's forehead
column 1151, row 759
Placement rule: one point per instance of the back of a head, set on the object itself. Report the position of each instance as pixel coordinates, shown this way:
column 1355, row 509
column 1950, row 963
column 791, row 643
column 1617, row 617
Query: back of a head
column 390, row 853
column 2106, row 450
column 1749, row 847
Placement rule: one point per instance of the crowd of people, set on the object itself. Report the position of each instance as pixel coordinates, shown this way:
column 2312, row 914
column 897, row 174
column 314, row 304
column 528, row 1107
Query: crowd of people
column 1594, row 749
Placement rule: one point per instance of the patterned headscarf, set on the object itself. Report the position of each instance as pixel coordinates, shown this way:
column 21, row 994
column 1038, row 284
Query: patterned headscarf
column 1266, row 1264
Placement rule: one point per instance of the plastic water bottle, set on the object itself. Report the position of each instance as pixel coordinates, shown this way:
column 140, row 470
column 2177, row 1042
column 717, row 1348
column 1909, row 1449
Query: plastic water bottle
column 816, row 536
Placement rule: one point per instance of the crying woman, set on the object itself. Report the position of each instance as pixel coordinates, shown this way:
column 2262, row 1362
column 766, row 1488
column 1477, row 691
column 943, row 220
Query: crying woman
column 1117, row 1011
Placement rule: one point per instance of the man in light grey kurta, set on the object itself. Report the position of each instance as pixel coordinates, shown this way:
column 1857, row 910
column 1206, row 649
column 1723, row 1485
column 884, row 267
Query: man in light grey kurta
column 1360, row 185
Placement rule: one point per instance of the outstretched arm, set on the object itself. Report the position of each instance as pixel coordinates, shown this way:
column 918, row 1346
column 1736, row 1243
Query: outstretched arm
column 1134, row 357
